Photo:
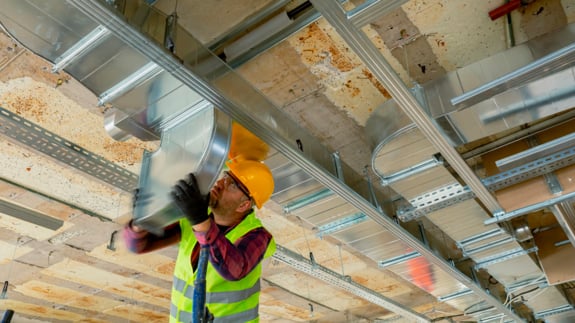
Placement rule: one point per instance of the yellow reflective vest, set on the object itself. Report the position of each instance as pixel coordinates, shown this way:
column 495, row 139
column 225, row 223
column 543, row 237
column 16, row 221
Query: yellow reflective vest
column 227, row 301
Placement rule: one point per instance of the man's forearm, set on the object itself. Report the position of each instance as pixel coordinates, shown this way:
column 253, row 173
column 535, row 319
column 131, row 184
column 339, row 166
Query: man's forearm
column 140, row 241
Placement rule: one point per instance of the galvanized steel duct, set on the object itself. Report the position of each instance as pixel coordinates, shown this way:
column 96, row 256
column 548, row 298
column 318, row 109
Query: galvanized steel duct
column 541, row 88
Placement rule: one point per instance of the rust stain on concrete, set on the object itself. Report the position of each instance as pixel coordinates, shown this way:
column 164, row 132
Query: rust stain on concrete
column 376, row 83
column 318, row 46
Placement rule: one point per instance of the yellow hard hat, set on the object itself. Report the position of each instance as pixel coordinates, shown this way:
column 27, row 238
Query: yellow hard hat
column 255, row 176
column 245, row 144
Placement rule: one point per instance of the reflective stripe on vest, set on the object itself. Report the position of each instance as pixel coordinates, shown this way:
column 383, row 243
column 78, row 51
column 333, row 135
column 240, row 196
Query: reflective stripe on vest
column 232, row 297
column 216, row 297
column 228, row 301
column 180, row 286
column 245, row 316
column 184, row 316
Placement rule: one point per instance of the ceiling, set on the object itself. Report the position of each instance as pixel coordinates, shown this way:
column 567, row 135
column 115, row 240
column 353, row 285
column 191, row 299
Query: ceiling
column 422, row 153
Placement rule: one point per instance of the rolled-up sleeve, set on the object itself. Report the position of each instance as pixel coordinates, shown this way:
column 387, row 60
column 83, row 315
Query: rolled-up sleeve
column 144, row 241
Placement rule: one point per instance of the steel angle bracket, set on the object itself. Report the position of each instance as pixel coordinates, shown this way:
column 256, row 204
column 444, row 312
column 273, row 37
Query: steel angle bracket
column 504, row 256
column 443, row 197
column 341, row 224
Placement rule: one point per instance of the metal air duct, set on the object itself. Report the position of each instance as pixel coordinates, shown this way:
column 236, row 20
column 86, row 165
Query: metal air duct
column 405, row 160
column 199, row 144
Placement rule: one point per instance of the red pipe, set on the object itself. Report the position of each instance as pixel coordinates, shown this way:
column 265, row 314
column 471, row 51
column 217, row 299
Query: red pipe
column 504, row 9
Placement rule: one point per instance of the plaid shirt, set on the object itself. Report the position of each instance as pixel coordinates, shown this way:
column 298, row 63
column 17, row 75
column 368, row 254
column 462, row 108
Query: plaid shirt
column 232, row 261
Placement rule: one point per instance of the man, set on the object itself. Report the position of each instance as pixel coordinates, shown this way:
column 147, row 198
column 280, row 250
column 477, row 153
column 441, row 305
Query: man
column 224, row 222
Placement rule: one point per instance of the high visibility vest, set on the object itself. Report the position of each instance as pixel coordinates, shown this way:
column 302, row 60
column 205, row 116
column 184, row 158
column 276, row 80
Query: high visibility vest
column 227, row 301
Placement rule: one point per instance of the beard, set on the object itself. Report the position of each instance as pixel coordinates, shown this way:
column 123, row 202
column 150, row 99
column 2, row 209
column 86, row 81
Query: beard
column 213, row 202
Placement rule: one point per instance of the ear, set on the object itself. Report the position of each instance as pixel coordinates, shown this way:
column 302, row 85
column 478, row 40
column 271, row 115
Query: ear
column 244, row 206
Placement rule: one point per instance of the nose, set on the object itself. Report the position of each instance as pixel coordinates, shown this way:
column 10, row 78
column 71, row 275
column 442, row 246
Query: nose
column 220, row 183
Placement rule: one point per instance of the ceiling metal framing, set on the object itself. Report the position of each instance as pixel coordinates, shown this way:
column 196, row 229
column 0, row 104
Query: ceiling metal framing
column 455, row 193
column 257, row 114
column 335, row 14
column 275, row 139
column 344, row 282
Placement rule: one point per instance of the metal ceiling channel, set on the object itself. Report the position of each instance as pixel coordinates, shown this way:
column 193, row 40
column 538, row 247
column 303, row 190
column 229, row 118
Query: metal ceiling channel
column 29, row 215
column 325, row 274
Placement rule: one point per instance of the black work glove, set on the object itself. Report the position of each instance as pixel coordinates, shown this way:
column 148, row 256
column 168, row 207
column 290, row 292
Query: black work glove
column 187, row 197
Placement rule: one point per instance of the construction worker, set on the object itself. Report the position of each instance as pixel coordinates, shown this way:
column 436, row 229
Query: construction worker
column 224, row 224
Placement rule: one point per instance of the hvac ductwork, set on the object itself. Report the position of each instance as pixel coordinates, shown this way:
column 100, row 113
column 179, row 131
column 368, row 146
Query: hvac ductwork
column 310, row 183
column 198, row 143
column 520, row 86
column 148, row 102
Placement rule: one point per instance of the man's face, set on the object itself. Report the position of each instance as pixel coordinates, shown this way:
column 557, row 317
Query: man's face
column 227, row 194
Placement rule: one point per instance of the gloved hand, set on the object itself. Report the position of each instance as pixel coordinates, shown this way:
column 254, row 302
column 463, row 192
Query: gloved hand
column 187, row 197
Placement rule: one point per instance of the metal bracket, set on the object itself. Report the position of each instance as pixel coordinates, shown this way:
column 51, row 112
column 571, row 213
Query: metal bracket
column 469, row 252
column 479, row 237
column 550, row 178
column 307, row 200
column 4, row 290
column 397, row 260
column 341, row 223
column 112, row 244
column 84, row 45
column 554, row 311
column 337, row 164
column 454, row 295
column 504, row 256
column 541, row 281
column 435, row 200
column 413, row 170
